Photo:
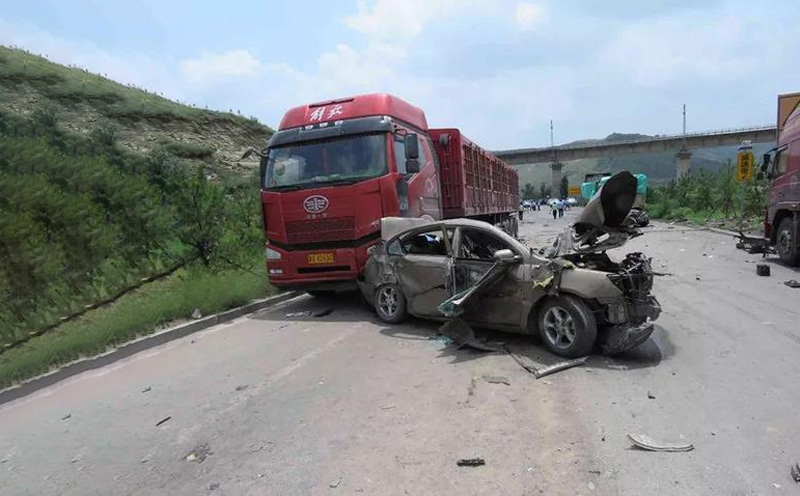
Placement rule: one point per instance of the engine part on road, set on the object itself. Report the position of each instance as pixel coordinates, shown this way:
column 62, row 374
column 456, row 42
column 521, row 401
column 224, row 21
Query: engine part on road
column 648, row 443
column 762, row 270
column 792, row 283
column 471, row 462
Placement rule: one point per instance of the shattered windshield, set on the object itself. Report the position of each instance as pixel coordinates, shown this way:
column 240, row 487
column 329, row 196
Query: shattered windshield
column 349, row 159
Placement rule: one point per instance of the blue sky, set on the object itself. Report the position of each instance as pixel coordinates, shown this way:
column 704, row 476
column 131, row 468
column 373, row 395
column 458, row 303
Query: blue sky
column 499, row 70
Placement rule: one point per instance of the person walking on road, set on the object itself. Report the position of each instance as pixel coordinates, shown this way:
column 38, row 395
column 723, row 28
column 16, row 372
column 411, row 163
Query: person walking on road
column 561, row 208
column 554, row 207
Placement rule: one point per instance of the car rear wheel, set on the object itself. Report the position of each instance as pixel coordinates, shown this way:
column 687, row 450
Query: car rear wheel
column 567, row 326
column 390, row 304
column 787, row 243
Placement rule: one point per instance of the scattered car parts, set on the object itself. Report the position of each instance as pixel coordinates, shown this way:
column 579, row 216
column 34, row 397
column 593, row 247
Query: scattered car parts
column 647, row 443
column 471, row 462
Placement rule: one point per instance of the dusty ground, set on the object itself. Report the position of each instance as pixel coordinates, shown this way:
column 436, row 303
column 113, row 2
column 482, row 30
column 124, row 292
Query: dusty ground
column 343, row 404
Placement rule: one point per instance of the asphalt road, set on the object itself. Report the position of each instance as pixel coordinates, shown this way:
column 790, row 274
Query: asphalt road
column 342, row 404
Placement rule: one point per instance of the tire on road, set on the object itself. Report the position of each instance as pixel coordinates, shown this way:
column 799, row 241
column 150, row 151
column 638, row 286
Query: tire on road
column 787, row 243
column 567, row 326
column 390, row 303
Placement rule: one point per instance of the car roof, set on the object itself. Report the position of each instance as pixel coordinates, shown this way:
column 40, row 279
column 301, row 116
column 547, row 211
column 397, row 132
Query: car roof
column 394, row 226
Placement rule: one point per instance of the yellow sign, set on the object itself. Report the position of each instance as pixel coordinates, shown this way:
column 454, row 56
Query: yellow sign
column 320, row 258
column 744, row 167
column 574, row 191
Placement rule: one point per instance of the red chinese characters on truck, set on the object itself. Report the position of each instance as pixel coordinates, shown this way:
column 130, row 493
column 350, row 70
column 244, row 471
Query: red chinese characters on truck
column 334, row 169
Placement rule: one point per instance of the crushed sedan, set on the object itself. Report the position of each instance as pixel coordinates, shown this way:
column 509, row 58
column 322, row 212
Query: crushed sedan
column 571, row 294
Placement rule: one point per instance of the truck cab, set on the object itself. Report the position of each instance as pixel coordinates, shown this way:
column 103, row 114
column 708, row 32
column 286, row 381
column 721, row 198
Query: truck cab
column 782, row 167
column 330, row 173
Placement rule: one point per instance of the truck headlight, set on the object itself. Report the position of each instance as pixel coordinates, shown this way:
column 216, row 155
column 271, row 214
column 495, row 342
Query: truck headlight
column 272, row 254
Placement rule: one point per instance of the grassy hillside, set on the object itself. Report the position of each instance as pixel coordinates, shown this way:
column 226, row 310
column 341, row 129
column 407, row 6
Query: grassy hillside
column 104, row 190
column 141, row 121
column 659, row 167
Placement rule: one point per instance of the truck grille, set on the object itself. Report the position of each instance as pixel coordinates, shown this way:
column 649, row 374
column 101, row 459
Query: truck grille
column 320, row 230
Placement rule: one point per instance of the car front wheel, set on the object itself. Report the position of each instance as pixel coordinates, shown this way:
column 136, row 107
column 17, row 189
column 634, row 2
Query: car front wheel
column 787, row 243
column 390, row 304
column 567, row 326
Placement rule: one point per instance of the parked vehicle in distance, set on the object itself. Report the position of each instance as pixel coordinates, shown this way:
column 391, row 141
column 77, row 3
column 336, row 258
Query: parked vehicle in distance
column 571, row 294
column 334, row 169
column 782, row 167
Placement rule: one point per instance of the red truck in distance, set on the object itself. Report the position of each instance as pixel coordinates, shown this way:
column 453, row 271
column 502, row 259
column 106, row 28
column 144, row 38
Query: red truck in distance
column 334, row 169
column 782, row 167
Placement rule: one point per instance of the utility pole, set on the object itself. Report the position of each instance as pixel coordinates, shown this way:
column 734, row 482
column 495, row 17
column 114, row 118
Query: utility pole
column 684, row 155
column 555, row 167
column 684, row 126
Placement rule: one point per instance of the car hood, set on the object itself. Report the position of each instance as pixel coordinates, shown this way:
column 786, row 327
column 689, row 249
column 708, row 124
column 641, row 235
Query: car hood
column 601, row 225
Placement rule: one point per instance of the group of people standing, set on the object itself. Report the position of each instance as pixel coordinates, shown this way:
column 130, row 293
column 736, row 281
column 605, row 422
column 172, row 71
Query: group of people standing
column 556, row 205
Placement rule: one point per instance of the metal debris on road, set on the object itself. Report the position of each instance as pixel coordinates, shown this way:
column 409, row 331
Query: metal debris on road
column 147, row 389
column 558, row 367
column 471, row 462
column 792, row 283
column 336, row 483
column 651, row 396
column 462, row 335
column 241, row 387
column 163, row 421
column 795, row 471
column 213, row 486
column 199, row 453
column 387, row 407
column 290, row 315
column 323, row 313
column 762, row 270
column 196, row 314
column 65, row 417
column 496, row 379
column 647, row 443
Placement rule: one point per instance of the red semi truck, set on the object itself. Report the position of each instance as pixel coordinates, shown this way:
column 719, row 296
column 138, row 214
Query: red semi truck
column 334, row 169
column 782, row 167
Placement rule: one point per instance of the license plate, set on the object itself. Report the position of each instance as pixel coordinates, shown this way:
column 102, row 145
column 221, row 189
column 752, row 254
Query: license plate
column 320, row 258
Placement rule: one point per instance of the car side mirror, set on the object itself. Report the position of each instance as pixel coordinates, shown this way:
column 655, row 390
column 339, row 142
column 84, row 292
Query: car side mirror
column 506, row 257
column 411, row 142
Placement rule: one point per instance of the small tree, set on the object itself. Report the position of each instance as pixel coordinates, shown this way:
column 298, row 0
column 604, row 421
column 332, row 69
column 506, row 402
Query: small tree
column 564, row 186
column 528, row 191
column 544, row 190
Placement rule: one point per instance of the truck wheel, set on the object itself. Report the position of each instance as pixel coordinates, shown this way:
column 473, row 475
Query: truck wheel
column 390, row 303
column 787, row 243
column 566, row 326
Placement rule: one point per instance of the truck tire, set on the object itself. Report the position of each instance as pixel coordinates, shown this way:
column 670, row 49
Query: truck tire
column 567, row 326
column 787, row 243
column 390, row 303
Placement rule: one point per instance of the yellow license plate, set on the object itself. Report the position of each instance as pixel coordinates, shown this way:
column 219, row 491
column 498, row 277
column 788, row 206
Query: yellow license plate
column 320, row 258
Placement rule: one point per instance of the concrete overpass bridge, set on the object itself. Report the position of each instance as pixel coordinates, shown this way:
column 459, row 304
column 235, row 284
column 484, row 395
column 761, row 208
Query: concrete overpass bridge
column 681, row 144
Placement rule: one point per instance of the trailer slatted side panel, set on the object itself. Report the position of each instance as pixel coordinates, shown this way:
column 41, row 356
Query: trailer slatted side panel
column 474, row 182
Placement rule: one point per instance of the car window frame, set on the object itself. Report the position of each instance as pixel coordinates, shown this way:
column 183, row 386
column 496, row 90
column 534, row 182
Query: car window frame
column 459, row 237
column 443, row 228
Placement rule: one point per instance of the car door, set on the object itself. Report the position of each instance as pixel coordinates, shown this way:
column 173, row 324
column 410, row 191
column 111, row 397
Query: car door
column 499, row 305
column 422, row 268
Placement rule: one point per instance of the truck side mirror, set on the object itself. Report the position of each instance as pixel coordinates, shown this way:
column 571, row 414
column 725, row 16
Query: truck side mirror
column 765, row 162
column 411, row 142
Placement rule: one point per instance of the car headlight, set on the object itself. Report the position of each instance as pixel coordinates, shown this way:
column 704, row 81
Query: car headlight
column 272, row 254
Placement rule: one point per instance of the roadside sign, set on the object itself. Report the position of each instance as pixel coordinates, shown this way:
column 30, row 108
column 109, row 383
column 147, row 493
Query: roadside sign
column 744, row 167
column 574, row 191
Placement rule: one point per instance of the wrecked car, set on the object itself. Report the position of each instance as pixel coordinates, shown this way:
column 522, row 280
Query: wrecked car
column 571, row 294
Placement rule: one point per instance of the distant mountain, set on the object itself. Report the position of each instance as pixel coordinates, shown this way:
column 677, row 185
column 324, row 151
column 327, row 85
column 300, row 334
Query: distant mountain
column 659, row 168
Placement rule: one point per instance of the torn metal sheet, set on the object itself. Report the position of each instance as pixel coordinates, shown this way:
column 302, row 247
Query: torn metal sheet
column 650, row 444
column 454, row 306
column 558, row 367
column 463, row 335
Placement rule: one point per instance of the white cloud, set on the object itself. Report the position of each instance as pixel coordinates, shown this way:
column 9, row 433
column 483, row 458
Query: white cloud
column 211, row 67
column 404, row 20
column 527, row 14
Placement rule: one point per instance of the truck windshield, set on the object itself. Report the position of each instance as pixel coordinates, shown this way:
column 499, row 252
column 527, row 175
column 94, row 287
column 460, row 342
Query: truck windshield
column 341, row 160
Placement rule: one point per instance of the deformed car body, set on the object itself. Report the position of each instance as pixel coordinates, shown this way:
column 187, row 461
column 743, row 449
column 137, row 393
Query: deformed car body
column 571, row 294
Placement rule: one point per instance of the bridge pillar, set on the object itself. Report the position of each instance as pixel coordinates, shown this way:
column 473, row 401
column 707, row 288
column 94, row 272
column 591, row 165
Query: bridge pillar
column 556, row 187
column 684, row 157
